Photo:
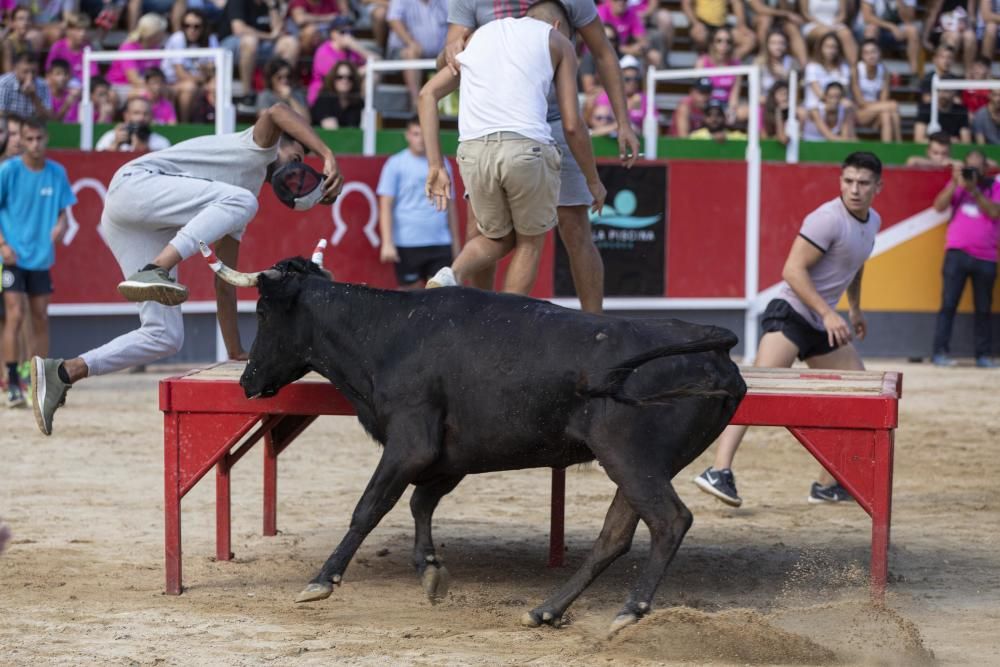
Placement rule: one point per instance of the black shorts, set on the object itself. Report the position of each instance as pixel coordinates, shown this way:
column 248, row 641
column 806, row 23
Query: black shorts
column 421, row 262
column 780, row 316
column 33, row 283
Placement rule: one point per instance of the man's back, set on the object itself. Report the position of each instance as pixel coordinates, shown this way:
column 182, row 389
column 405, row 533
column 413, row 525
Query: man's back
column 507, row 73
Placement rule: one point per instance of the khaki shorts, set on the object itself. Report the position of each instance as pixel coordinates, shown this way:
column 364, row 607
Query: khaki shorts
column 513, row 183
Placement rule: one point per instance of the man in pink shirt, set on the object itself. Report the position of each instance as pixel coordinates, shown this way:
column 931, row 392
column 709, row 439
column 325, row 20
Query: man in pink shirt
column 970, row 253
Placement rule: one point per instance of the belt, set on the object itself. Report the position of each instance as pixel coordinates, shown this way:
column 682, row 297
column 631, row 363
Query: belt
column 504, row 135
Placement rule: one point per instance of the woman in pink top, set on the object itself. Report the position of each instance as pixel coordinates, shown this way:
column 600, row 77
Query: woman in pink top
column 340, row 47
column 160, row 104
column 149, row 33
column 627, row 23
column 70, row 47
column 725, row 88
column 635, row 99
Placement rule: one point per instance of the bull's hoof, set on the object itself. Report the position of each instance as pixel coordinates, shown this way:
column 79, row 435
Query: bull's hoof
column 536, row 617
column 435, row 580
column 622, row 621
column 314, row 592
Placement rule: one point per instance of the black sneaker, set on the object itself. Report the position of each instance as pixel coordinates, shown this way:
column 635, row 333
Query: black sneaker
column 15, row 397
column 834, row 493
column 721, row 484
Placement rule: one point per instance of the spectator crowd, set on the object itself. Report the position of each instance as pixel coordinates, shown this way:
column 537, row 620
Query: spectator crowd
column 311, row 54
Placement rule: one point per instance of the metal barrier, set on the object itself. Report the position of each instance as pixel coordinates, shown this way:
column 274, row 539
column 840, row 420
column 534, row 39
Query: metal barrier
column 369, row 117
column 225, row 114
column 953, row 84
column 748, row 304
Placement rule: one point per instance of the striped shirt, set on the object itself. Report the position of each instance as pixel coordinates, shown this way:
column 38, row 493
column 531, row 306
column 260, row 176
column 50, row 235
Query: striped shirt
column 12, row 100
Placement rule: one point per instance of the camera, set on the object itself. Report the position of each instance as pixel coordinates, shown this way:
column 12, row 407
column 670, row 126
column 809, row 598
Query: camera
column 970, row 174
column 138, row 131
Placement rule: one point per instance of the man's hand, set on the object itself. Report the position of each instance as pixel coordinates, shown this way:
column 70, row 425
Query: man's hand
column 451, row 51
column 239, row 355
column 333, row 182
column 121, row 135
column 837, row 331
column 8, row 254
column 438, row 188
column 628, row 144
column 858, row 324
column 388, row 254
column 28, row 85
column 599, row 193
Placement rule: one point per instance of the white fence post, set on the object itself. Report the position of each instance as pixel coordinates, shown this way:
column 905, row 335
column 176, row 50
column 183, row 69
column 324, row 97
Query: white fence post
column 650, row 121
column 792, row 129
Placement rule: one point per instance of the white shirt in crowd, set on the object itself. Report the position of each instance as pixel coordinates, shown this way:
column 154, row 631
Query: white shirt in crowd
column 157, row 142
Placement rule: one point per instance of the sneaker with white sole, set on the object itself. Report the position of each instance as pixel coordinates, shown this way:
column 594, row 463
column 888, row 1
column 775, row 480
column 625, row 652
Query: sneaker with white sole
column 721, row 484
column 15, row 397
column 834, row 493
column 445, row 277
column 48, row 391
column 153, row 285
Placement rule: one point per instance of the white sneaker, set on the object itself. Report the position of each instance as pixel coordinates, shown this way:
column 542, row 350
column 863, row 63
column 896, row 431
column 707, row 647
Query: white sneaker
column 443, row 278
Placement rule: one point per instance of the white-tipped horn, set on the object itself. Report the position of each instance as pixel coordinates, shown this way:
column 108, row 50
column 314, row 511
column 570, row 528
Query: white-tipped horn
column 227, row 274
column 317, row 256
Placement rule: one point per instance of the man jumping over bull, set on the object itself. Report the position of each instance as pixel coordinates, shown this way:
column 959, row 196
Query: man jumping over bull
column 158, row 207
column 827, row 259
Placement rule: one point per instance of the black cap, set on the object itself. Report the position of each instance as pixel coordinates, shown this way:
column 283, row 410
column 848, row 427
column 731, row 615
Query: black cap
column 715, row 104
column 704, row 84
column 297, row 185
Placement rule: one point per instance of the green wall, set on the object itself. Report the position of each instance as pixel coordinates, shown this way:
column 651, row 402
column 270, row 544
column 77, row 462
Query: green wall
column 349, row 141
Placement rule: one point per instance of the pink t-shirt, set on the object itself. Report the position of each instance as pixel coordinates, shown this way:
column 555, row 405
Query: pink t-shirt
column 73, row 115
column 118, row 69
column 61, row 50
column 634, row 115
column 721, row 85
column 970, row 230
column 628, row 26
column 163, row 111
column 325, row 58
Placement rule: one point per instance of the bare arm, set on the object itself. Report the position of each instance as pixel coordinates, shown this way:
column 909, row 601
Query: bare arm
column 454, row 43
column 818, row 117
column 279, row 118
column 456, row 244
column 986, row 11
column 847, row 126
column 438, row 188
column 841, row 16
column 682, row 120
column 387, row 251
column 227, row 249
column 801, row 257
column 871, row 18
column 943, row 200
column 930, row 20
column 761, row 8
column 854, row 291
column 687, row 6
column 59, row 230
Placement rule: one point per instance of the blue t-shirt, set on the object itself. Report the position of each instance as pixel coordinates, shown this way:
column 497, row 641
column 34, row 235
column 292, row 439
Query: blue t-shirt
column 30, row 202
column 415, row 222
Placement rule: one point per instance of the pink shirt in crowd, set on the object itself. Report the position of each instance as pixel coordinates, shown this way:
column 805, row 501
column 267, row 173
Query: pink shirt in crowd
column 118, row 69
column 61, row 50
column 163, row 112
column 721, row 85
column 634, row 115
column 628, row 26
column 73, row 115
column 970, row 230
column 326, row 57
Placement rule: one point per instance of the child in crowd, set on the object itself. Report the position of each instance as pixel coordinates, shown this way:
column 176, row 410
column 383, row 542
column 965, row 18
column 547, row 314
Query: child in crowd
column 340, row 47
column 103, row 99
column 65, row 99
column 974, row 100
column 70, row 48
column 157, row 93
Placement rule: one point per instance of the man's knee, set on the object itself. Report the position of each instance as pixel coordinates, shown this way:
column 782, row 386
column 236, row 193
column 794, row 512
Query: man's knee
column 14, row 306
column 243, row 202
column 574, row 227
column 169, row 339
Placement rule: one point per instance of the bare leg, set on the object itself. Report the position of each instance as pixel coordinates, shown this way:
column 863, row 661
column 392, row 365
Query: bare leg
column 585, row 261
column 248, row 61
column 16, row 305
column 523, row 267
column 481, row 253
column 844, row 358
column 40, row 325
column 485, row 278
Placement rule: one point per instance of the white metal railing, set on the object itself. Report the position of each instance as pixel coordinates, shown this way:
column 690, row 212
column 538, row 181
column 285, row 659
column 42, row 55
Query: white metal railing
column 225, row 114
column 792, row 129
column 369, row 117
column 748, row 304
column 953, row 84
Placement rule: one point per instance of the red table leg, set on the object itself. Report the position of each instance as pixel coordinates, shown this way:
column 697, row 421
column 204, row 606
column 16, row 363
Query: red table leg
column 172, row 502
column 270, row 486
column 223, row 522
column 881, row 512
column 557, row 543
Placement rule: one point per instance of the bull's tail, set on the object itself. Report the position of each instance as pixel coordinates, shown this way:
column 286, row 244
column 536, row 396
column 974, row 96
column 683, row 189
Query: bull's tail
column 614, row 383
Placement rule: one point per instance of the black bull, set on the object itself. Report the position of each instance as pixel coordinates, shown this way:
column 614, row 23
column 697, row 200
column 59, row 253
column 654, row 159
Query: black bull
column 456, row 381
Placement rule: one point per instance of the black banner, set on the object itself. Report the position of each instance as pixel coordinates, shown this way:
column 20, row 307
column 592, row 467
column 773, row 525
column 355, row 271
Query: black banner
column 629, row 233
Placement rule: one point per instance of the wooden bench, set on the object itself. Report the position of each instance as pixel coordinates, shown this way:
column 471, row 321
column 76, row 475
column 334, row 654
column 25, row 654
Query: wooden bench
column 846, row 419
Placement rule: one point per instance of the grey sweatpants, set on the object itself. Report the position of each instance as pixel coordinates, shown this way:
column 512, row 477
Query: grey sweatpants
column 143, row 212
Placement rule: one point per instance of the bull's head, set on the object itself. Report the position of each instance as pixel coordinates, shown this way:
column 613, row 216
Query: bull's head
column 278, row 356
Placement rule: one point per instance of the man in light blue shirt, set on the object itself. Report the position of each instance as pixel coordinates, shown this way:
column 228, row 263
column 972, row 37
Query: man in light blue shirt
column 419, row 239
column 34, row 196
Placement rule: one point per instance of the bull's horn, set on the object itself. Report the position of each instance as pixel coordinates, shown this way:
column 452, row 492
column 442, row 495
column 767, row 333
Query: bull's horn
column 317, row 256
column 231, row 276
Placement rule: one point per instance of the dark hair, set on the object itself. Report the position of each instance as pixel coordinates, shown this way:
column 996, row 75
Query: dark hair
column 818, row 49
column 864, row 160
column 944, row 47
column 154, row 72
column 205, row 28
column 19, row 8
column 833, row 84
column 275, row 65
column 412, row 120
column 25, row 57
column 716, row 31
column 555, row 7
column 59, row 63
column 97, row 82
column 35, row 123
column 942, row 138
column 975, row 151
column 771, row 107
column 983, row 60
column 330, row 78
column 871, row 40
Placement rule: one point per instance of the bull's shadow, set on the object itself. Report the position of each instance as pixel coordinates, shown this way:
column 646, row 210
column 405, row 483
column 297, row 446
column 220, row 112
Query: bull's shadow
column 455, row 381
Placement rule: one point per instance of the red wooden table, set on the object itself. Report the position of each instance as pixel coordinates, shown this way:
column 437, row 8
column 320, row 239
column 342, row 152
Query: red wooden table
column 845, row 418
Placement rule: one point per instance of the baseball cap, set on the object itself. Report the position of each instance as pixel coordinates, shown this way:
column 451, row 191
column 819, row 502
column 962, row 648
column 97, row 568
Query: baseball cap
column 297, row 186
column 704, row 84
column 715, row 104
column 629, row 61
column 341, row 22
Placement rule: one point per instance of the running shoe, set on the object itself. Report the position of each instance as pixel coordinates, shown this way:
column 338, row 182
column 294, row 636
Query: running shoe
column 721, row 484
column 834, row 493
column 985, row 362
column 943, row 360
column 48, row 391
column 15, row 397
column 153, row 285
column 445, row 277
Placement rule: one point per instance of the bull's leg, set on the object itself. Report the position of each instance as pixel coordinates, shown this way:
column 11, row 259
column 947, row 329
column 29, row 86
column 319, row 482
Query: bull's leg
column 615, row 539
column 423, row 502
column 409, row 449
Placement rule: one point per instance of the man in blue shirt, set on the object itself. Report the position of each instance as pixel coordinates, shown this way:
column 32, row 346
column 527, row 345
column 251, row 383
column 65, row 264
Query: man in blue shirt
column 418, row 238
column 34, row 196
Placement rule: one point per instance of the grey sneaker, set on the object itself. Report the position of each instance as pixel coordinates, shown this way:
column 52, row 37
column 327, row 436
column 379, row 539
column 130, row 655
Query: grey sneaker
column 834, row 493
column 443, row 278
column 985, row 362
column 153, row 285
column 48, row 392
column 15, row 397
column 943, row 360
column 721, row 484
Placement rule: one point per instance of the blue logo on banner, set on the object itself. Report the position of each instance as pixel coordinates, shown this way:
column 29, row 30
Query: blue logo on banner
column 620, row 213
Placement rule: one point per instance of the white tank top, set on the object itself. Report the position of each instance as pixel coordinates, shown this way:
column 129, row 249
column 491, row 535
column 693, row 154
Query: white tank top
column 824, row 11
column 506, row 75
column 871, row 88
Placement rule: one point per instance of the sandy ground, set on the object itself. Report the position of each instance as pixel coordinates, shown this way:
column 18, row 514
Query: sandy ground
column 776, row 582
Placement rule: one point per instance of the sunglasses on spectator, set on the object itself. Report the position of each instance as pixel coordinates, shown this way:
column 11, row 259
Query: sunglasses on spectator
column 631, row 78
column 192, row 26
